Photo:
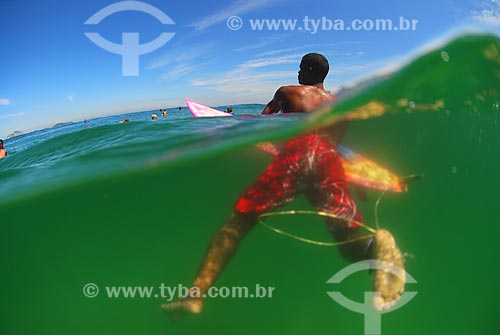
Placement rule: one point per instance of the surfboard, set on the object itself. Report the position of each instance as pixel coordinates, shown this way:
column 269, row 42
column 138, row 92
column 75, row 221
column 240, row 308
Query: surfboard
column 199, row 110
column 358, row 169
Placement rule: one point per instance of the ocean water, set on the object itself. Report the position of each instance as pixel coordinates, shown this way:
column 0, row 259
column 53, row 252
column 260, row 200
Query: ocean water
column 136, row 204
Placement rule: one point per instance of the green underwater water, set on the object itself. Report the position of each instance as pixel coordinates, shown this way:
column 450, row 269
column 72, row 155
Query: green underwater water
column 143, row 214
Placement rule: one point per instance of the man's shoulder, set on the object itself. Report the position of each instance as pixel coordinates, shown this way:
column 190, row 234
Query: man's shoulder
column 291, row 89
column 301, row 90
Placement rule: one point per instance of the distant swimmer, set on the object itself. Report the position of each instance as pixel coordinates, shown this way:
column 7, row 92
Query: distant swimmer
column 154, row 117
column 229, row 110
column 125, row 120
column 3, row 152
column 180, row 108
column 164, row 113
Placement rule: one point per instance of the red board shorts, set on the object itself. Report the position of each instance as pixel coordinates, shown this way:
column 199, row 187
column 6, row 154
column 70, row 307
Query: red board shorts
column 308, row 164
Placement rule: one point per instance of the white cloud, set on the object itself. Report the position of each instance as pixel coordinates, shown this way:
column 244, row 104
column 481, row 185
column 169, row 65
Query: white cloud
column 296, row 58
column 240, row 7
column 69, row 98
column 178, row 71
column 8, row 116
column 229, row 78
column 182, row 61
column 489, row 13
column 280, row 51
column 262, row 42
column 258, row 45
column 489, row 17
column 352, row 68
column 244, row 85
column 250, row 80
column 4, row 102
column 321, row 48
column 271, row 61
column 181, row 55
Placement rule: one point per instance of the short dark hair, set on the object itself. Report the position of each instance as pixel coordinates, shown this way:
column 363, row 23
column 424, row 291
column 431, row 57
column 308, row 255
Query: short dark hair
column 319, row 65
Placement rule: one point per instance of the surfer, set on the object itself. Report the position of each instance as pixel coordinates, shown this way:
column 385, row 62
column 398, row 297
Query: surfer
column 311, row 165
column 3, row 152
column 229, row 110
column 309, row 94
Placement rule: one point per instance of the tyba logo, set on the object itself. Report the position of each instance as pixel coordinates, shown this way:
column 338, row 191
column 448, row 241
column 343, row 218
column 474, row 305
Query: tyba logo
column 130, row 49
column 373, row 318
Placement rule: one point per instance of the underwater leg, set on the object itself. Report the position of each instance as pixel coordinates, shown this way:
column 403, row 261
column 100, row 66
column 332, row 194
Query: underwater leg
column 222, row 248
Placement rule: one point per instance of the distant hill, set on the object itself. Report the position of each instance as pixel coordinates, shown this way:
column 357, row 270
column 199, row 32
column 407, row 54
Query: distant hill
column 62, row 124
column 15, row 134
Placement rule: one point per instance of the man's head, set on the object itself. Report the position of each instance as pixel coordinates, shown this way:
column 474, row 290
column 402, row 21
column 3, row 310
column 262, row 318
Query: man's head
column 313, row 69
column 1, row 144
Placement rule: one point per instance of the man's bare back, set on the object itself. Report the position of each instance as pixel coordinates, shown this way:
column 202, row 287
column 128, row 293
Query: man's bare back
column 298, row 99
column 307, row 96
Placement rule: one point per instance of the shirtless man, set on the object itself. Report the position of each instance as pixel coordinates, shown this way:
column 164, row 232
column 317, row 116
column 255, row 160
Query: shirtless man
column 309, row 94
column 3, row 152
column 308, row 164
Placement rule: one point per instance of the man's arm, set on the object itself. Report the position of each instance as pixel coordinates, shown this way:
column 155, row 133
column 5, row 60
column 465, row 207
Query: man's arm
column 274, row 106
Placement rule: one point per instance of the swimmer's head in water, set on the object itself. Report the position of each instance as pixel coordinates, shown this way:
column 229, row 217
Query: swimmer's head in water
column 313, row 69
column 1, row 144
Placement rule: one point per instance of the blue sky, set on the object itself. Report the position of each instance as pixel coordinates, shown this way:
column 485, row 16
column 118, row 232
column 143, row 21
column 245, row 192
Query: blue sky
column 51, row 72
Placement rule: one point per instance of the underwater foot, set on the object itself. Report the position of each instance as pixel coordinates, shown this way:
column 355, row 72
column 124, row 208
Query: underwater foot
column 178, row 310
column 389, row 280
